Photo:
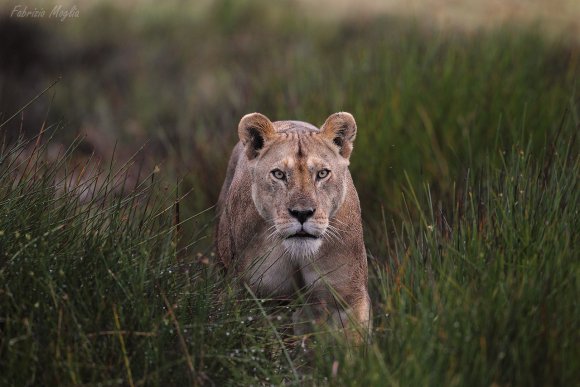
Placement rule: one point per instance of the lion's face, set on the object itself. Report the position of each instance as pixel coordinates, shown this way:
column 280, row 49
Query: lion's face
column 299, row 177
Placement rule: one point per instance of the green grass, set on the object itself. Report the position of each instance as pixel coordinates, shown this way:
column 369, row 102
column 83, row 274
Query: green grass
column 466, row 162
column 485, row 294
column 94, row 289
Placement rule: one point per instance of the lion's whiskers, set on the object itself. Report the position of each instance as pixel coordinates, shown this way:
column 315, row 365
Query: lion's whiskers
column 332, row 233
column 338, row 228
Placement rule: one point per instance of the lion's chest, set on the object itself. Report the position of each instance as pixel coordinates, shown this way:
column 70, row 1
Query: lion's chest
column 270, row 272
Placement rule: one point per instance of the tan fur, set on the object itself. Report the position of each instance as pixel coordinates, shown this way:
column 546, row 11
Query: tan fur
column 260, row 215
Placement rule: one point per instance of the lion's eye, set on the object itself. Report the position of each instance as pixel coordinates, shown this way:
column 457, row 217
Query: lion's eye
column 278, row 174
column 322, row 173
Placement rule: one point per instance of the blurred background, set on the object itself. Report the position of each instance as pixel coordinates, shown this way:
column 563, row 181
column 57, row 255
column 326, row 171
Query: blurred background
column 435, row 85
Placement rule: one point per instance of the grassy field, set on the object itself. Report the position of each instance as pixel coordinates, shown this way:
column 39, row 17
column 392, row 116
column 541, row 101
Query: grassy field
column 467, row 165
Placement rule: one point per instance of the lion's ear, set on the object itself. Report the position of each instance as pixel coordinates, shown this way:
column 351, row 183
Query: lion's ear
column 255, row 130
column 340, row 128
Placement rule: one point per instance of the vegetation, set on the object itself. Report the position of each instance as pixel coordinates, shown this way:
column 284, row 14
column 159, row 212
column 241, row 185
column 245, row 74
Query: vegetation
column 467, row 165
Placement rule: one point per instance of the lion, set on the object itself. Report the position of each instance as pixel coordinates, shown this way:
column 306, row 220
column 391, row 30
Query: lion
column 290, row 220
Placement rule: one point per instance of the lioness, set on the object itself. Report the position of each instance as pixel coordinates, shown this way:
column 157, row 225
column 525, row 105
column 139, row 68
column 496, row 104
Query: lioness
column 290, row 219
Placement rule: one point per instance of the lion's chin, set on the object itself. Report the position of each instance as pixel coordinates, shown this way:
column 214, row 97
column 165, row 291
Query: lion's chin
column 302, row 247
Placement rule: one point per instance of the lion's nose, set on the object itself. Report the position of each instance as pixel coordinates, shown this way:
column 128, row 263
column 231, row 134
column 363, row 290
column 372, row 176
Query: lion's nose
column 303, row 214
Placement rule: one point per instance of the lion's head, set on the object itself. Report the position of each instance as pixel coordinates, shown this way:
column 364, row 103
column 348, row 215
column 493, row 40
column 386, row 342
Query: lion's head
column 299, row 175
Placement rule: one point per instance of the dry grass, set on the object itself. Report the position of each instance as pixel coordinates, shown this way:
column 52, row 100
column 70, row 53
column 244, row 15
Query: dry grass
column 560, row 17
column 554, row 17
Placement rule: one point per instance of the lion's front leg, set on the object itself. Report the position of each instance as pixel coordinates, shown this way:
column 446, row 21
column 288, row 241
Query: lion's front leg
column 327, row 309
column 354, row 320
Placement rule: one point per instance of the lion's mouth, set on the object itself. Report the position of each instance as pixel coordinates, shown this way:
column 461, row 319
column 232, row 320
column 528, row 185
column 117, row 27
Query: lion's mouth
column 302, row 234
